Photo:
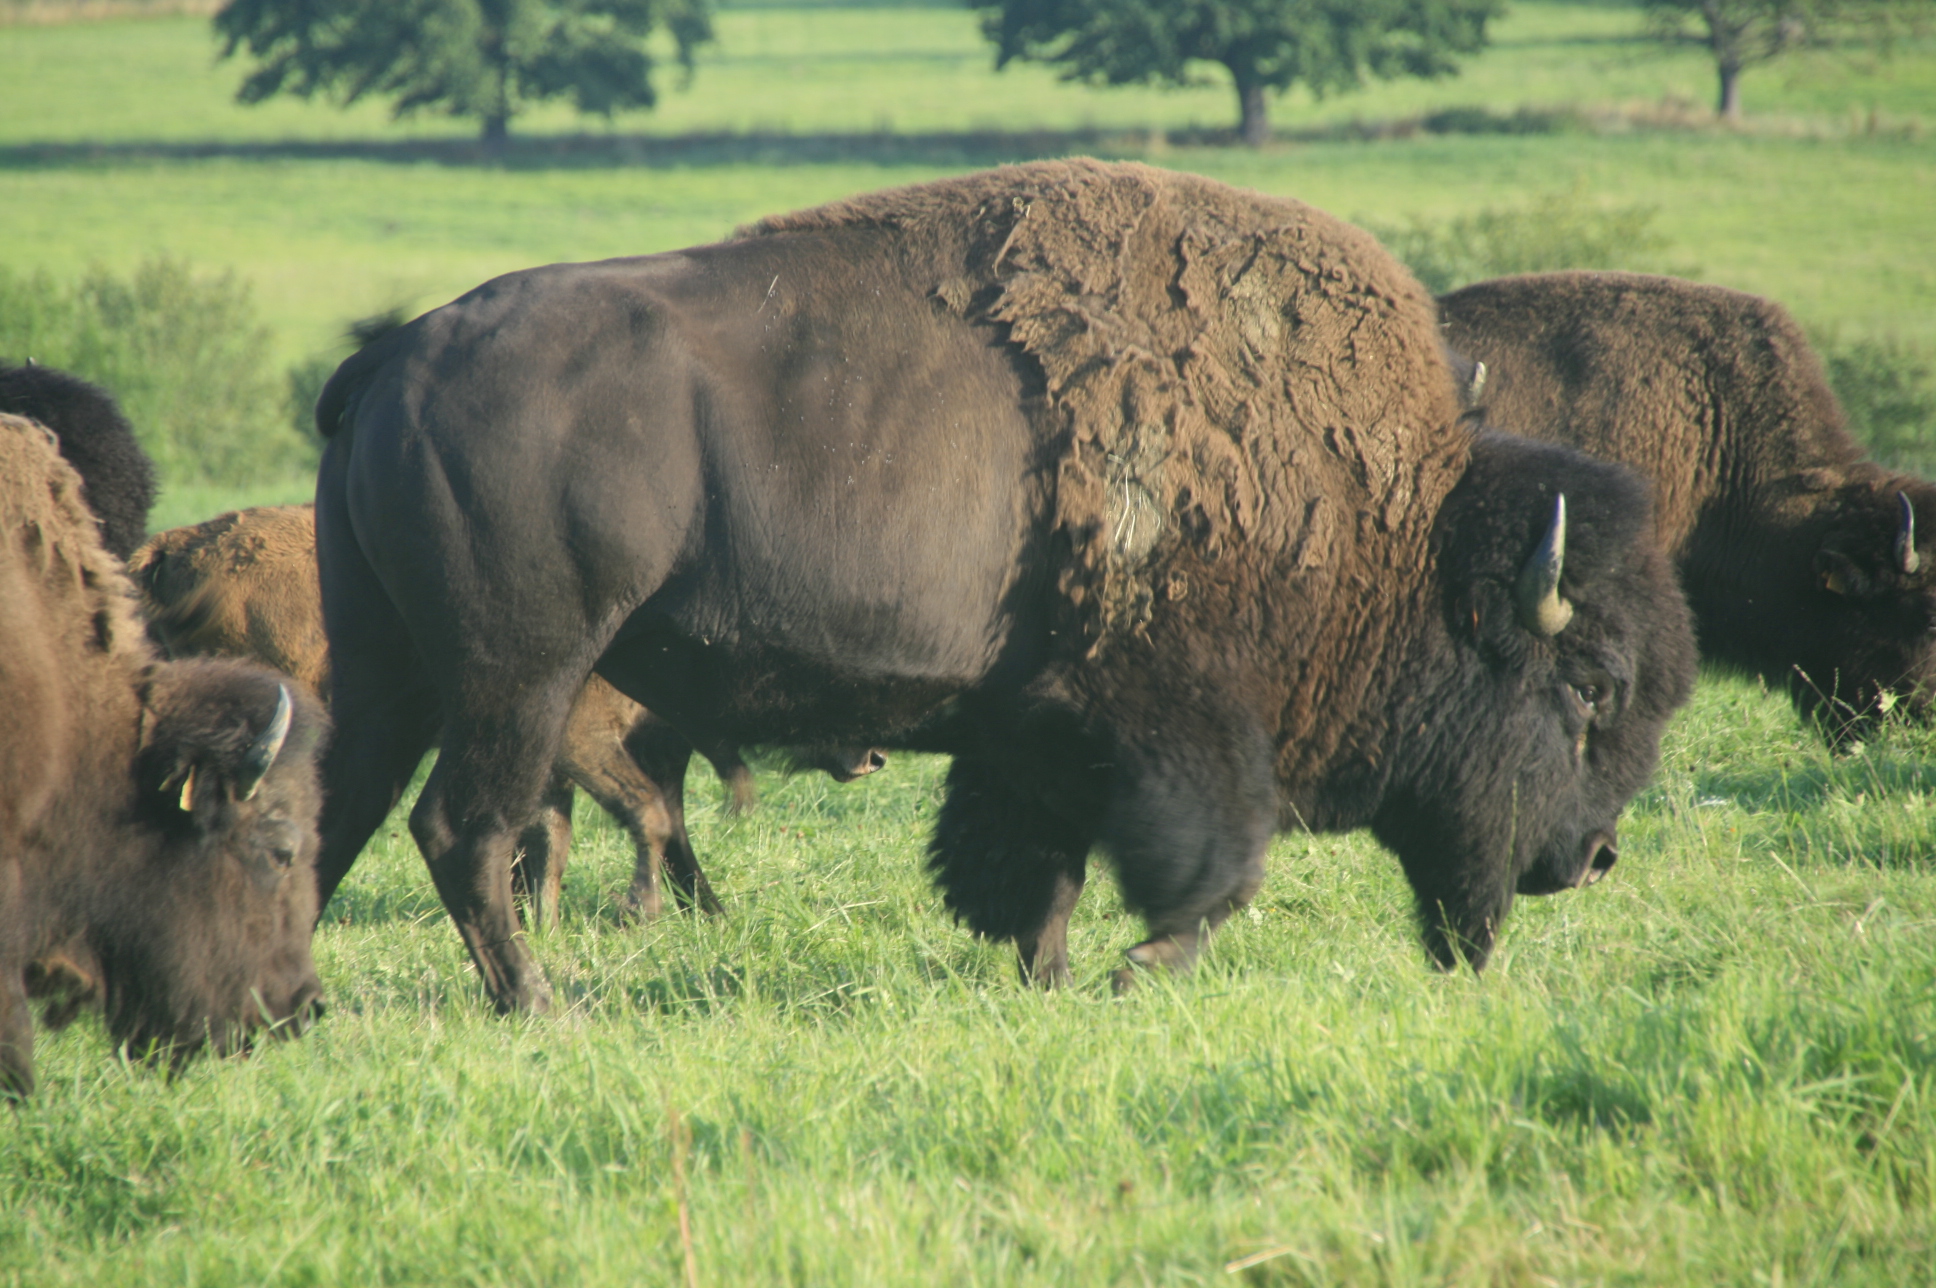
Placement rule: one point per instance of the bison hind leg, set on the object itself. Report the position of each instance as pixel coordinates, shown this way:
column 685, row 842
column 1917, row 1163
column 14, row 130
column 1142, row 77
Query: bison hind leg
column 544, row 848
column 1009, row 867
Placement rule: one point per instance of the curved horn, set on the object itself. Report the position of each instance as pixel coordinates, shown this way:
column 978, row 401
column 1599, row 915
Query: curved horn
column 262, row 753
column 1906, row 557
column 1541, row 610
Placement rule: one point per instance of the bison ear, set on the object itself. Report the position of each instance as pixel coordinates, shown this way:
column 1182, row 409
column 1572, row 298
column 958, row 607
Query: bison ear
column 1839, row 574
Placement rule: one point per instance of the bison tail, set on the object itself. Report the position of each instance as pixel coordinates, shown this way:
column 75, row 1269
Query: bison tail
column 337, row 403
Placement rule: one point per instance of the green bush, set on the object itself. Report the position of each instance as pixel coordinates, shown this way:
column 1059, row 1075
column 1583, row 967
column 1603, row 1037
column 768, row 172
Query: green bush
column 1559, row 230
column 1888, row 388
column 183, row 352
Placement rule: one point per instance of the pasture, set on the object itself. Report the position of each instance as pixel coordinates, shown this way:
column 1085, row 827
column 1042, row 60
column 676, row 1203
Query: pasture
column 1717, row 1066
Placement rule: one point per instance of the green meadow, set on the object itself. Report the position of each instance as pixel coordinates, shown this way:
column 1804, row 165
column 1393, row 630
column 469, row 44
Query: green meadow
column 1717, row 1066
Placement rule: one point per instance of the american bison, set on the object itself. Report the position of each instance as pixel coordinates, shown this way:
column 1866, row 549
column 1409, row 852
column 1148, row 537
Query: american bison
column 117, row 478
column 1148, row 500
column 157, row 819
column 244, row 585
column 1800, row 560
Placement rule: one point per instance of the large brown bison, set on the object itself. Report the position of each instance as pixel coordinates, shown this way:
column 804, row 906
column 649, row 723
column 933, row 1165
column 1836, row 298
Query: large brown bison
column 244, row 585
column 1800, row 560
column 1148, row 500
column 157, row 819
column 117, row 478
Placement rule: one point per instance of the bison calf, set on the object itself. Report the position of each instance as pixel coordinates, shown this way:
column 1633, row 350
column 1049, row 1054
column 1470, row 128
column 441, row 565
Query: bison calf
column 1801, row 560
column 157, row 819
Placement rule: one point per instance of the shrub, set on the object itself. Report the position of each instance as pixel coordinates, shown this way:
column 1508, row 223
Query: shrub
column 1559, row 230
column 183, row 352
column 1888, row 388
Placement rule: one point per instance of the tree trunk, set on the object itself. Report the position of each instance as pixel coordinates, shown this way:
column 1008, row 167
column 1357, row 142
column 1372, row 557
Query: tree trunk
column 497, row 130
column 1728, row 106
column 1253, row 124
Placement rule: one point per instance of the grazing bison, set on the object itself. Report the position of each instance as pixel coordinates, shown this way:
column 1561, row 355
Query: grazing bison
column 244, row 585
column 157, row 819
column 117, row 478
column 1147, row 499
column 1800, row 560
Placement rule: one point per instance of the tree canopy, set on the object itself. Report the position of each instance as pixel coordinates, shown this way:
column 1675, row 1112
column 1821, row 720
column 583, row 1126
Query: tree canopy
column 484, row 59
column 1326, row 45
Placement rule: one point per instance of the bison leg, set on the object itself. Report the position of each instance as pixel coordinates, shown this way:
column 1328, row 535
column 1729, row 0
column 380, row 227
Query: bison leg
column 597, row 758
column 544, row 848
column 661, row 754
column 16, row 1037
column 383, row 707
column 734, row 777
column 1188, row 824
column 1009, row 867
column 485, row 788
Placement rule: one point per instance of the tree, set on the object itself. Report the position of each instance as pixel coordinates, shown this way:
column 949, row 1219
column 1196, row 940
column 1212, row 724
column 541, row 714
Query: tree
column 487, row 59
column 1740, row 34
column 1264, row 44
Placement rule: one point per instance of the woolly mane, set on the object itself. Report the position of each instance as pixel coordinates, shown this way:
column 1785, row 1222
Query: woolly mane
column 42, row 513
column 1227, row 371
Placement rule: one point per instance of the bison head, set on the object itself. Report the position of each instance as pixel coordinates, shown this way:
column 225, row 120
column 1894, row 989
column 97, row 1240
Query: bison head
column 207, row 939
column 1867, row 633
column 1560, row 649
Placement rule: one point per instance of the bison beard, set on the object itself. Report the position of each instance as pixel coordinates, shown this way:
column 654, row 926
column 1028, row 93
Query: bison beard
column 1800, row 560
column 157, row 820
column 1147, row 499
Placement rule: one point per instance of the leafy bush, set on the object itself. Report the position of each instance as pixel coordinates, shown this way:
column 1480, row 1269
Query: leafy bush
column 1888, row 388
column 183, row 352
column 1559, row 230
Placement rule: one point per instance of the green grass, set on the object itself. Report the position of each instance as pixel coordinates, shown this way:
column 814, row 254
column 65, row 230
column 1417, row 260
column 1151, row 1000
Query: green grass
column 1719, row 1066
column 1715, row 1067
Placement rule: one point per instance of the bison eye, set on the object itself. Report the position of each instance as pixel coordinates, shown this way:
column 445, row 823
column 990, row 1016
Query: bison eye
column 1588, row 696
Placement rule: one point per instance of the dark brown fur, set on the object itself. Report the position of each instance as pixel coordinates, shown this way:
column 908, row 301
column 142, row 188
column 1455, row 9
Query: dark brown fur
column 1782, row 533
column 142, row 864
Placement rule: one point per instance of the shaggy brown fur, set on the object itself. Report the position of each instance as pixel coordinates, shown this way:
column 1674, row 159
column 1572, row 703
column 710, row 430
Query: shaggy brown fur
column 149, row 858
column 1204, row 353
column 1784, row 536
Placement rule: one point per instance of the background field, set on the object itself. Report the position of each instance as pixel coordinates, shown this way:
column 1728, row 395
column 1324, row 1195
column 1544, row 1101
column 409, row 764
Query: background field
column 1715, row 1067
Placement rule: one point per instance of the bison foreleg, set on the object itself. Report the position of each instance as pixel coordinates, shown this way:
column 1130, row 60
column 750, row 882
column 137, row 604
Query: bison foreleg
column 1009, row 867
column 1188, row 824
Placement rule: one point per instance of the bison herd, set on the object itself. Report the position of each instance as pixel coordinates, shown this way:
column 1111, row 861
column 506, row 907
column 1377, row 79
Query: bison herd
column 1175, row 515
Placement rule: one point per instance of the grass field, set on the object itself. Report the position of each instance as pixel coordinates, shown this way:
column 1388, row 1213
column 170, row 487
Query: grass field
column 1718, row 1066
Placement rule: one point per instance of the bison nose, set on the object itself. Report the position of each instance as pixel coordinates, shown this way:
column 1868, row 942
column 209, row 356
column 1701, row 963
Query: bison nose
column 1601, row 856
column 875, row 760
